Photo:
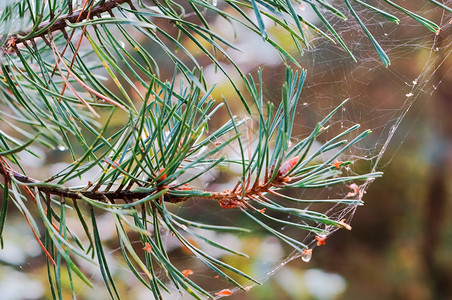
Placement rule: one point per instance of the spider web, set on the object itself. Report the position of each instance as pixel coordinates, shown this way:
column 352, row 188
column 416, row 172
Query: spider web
column 379, row 98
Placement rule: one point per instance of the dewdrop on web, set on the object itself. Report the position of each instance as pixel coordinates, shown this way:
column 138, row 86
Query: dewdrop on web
column 306, row 255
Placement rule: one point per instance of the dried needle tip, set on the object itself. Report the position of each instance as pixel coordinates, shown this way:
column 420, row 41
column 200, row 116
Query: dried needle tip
column 287, row 166
column 224, row 292
column 355, row 189
column 187, row 272
column 163, row 174
column 337, row 164
column 320, row 239
column 147, row 247
column 342, row 224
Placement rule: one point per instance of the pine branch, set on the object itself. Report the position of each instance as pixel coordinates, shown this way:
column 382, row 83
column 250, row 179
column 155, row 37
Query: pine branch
column 165, row 140
column 164, row 147
column 126, row 195
column 238, row 197
column 61, row 22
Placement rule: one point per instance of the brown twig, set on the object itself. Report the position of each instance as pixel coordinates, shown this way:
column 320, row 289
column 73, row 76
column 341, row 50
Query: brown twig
column 61, row 22
column 126, row 196
column 226, row 199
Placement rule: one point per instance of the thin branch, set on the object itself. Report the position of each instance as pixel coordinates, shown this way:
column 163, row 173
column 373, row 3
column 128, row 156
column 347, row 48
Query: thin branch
column 126, row 196
column 226, row 199
column 61, row 22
